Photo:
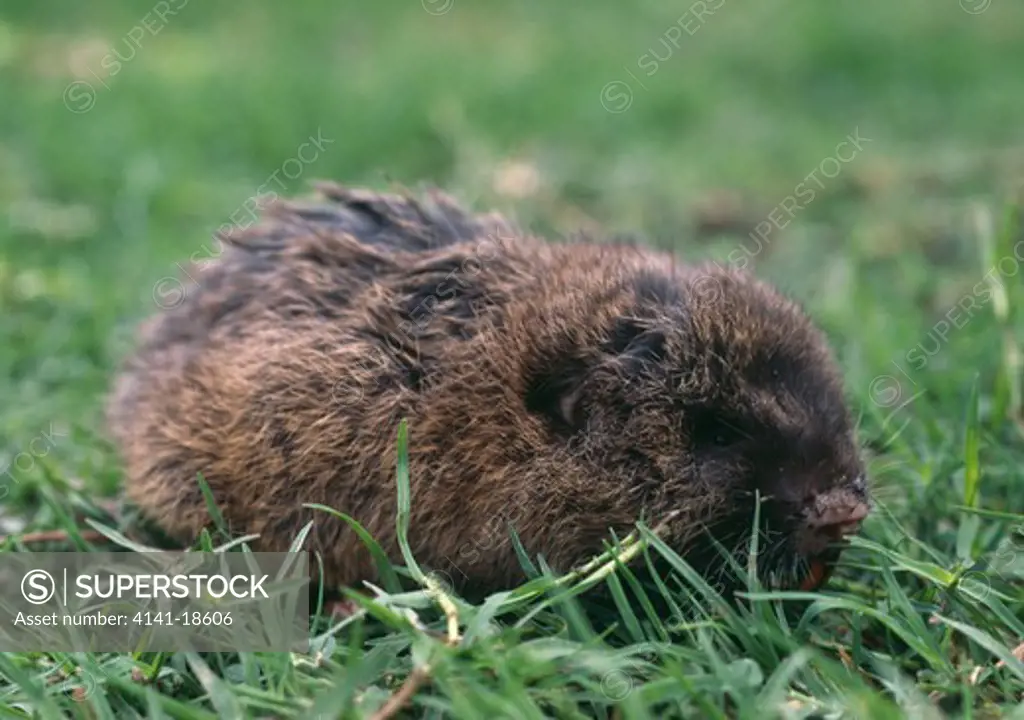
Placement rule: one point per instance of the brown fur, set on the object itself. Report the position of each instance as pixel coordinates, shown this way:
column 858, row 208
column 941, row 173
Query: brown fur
column 565, row 389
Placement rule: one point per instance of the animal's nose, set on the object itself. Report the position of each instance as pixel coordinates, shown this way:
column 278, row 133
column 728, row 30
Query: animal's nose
column 839, row 521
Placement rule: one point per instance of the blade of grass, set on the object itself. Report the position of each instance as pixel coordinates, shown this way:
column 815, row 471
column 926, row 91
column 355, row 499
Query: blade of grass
column 220, row 694
column 42, row 703
column 989, row 643
column 405, row 504
column 211, row 506
column 388, row 577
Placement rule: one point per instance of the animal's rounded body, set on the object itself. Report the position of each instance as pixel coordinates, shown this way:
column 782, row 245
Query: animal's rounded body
column 563, row 389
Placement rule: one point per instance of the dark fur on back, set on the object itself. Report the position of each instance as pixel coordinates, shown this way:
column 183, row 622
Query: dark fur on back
column 564, row 389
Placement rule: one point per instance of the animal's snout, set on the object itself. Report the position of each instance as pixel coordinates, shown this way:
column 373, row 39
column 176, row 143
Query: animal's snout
column 838, row 521
column 830, row 519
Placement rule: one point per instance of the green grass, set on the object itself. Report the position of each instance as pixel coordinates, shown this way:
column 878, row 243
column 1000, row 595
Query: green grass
column 99, row 205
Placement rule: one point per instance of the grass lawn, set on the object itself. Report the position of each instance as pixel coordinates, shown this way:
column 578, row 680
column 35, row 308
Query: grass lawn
column 875, row 146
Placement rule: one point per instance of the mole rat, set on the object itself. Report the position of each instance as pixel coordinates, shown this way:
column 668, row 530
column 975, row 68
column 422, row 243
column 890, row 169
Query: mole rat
column 565, row 390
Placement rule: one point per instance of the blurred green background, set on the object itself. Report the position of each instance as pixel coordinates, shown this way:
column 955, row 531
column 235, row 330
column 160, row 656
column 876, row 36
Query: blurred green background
column 129, row 132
